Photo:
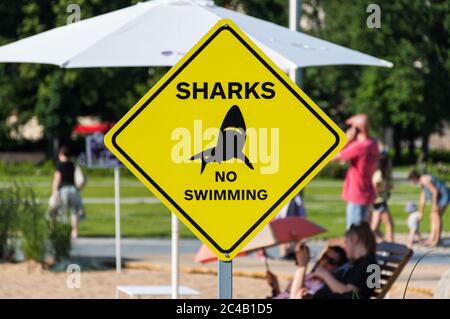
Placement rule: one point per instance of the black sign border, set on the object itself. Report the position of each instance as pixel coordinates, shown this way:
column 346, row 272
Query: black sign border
column 228, row 28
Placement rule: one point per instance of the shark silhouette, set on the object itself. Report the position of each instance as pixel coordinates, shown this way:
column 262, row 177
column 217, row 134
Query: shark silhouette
column 230, row 143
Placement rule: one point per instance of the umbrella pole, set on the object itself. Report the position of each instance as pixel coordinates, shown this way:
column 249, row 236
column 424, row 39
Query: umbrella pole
column 225, row 279
column 295, row 14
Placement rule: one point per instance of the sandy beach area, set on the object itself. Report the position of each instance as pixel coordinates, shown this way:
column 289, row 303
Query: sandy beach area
column 30, row 280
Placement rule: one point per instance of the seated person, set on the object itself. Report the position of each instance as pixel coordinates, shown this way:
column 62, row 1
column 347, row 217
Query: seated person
column 350, row 280
column 333, row 258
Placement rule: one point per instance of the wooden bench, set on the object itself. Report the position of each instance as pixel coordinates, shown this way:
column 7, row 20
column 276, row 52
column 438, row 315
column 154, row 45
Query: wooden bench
column 392, row 258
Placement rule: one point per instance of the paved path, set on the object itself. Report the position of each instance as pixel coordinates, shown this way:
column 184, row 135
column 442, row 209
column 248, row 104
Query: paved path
column 313, row 199
column 131, row 183
column 149, row 248
column 110, row 200
column 131, row 248
column 152, row 249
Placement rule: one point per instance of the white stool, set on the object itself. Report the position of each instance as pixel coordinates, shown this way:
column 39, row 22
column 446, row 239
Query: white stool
column 139, row 291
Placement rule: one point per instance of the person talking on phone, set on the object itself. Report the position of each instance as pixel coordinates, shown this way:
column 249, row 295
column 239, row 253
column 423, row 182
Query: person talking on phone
column 362, row 154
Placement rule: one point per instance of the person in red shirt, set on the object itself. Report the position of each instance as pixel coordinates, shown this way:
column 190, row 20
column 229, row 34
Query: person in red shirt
column 362, row 153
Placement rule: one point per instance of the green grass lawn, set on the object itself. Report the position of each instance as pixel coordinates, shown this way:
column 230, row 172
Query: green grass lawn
column 322, row 199
column 137, row 220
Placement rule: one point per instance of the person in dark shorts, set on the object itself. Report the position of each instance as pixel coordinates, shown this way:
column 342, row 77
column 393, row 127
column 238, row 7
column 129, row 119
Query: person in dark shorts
column 382, row 182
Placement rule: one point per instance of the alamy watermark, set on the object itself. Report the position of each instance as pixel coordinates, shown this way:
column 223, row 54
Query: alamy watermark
column 374, row 279
column 75, row 13
column 73, row 280
column 212, row 144
column 373, row 21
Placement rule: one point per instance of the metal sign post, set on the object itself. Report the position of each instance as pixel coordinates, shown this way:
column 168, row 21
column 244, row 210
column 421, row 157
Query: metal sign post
column 117, row 212
column 225, row 279
column 175, row 257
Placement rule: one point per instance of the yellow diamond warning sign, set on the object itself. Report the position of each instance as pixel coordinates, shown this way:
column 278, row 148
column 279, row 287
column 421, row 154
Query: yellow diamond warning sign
column 225, row 139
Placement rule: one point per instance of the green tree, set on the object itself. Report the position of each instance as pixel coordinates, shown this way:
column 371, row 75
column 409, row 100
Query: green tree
column 275, row 11
column 57, row 96
column 412, row 97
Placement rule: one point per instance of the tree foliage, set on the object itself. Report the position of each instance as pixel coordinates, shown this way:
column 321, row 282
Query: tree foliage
column 57, row 96
column 412, row 97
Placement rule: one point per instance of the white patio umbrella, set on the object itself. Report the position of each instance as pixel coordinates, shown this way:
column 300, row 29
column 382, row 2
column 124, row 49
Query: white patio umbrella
column 160, row 32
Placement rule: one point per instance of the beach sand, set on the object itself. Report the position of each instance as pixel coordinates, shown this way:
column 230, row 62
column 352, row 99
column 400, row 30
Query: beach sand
column 30, row 280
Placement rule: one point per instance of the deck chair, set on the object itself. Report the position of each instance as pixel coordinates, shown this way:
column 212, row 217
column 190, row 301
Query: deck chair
column 391, row 257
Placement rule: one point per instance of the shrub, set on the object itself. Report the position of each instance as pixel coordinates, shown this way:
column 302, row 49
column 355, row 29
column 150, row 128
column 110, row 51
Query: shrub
column 9, row 207
column 26, row 169
column 434, row 156
column 60, row 239
column 33, row 226
column 440, row 170
column 47, row 168
column 334, row 170
column 439, row 156
column 21, row 219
